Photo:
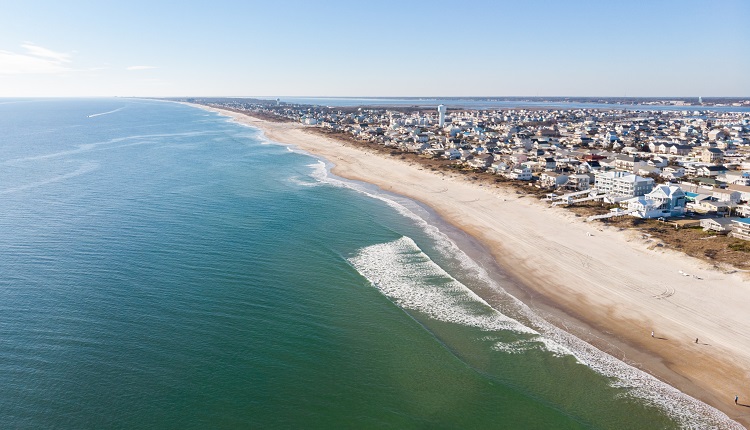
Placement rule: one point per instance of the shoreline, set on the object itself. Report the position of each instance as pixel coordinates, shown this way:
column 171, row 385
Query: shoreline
column 562, row 270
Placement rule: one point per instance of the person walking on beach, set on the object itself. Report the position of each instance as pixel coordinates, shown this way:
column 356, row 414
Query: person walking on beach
column 735, row 399
column 696, row 340
column 652, row 333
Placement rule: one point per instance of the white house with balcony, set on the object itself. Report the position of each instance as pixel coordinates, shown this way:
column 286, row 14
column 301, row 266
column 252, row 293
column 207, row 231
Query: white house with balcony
column 622, row 184
column 552, row 179
column 520, row 173
column 663, row 201
column 579, row 182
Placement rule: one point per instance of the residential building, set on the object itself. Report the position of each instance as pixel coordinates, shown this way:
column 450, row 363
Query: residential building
column 741, row 228
column 718, row 225
column 552, row 179
column 623, row 184
column 663, row 201
column 728, row 196
column 521, row 173
column 579, row 182
column 744, row 191
column 711, row 155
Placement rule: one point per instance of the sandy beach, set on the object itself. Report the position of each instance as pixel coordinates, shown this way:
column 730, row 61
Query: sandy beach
column 610, row 288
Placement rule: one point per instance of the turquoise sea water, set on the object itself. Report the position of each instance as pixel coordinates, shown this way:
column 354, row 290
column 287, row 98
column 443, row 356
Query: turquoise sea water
column 162, row 267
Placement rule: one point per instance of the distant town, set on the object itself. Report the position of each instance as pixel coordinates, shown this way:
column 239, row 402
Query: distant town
column 663, row 164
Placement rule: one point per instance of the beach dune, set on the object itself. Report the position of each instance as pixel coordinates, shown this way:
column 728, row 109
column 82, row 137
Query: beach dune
column 611, row 288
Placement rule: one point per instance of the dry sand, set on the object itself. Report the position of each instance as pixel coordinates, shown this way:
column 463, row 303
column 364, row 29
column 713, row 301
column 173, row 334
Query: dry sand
column 609, row 287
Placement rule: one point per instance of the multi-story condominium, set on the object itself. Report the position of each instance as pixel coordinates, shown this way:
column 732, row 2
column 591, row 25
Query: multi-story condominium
column 623, row 184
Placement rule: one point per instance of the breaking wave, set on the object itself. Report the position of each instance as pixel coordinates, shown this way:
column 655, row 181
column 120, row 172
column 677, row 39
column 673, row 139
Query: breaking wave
column 406, row 275
column 414, row 282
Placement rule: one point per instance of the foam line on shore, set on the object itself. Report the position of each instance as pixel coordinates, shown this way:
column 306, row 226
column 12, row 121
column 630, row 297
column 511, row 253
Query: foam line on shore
column 405, row 274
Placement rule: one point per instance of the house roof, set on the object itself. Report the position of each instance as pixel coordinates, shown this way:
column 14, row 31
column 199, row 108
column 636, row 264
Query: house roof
column 667, row 191
column 721, row 221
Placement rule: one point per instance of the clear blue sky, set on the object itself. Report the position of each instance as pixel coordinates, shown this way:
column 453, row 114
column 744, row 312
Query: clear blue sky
column 375, row 48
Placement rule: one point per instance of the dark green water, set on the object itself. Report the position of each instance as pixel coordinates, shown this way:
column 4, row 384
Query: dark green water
column 161, row 267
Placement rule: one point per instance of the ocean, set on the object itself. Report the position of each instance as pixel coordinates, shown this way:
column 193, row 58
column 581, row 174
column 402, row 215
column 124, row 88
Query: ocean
column 164, row 267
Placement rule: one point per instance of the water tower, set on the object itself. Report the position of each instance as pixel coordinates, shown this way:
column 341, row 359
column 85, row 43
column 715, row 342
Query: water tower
column 441, row 115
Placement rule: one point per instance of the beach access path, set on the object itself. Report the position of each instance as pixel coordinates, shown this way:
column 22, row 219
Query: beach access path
column 611, row 288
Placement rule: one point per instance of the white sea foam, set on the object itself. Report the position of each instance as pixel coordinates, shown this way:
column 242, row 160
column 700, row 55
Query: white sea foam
column 319, row 170
column 106, row 113
column 516, row 347
column 106, row 144
column 86, row 167
column 405, row 274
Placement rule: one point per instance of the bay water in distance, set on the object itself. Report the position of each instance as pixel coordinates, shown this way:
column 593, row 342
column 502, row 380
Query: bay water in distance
column 482, row 103
column 163, row 267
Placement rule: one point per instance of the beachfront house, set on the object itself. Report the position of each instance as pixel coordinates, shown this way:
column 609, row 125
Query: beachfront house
column 579, row 182
column 552, row 179
column 482, row 161
column 452, row 154
column 741, row 228
column 663, row 201
column 623, row 184
column 712, row 206
column 718, row 225
column 521, row 173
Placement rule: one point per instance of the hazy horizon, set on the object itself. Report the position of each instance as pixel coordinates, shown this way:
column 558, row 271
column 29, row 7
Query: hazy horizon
column 344, row 49
column 274, row 96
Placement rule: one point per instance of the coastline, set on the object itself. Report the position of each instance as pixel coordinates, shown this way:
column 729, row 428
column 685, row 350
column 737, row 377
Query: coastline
column 603, row 285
